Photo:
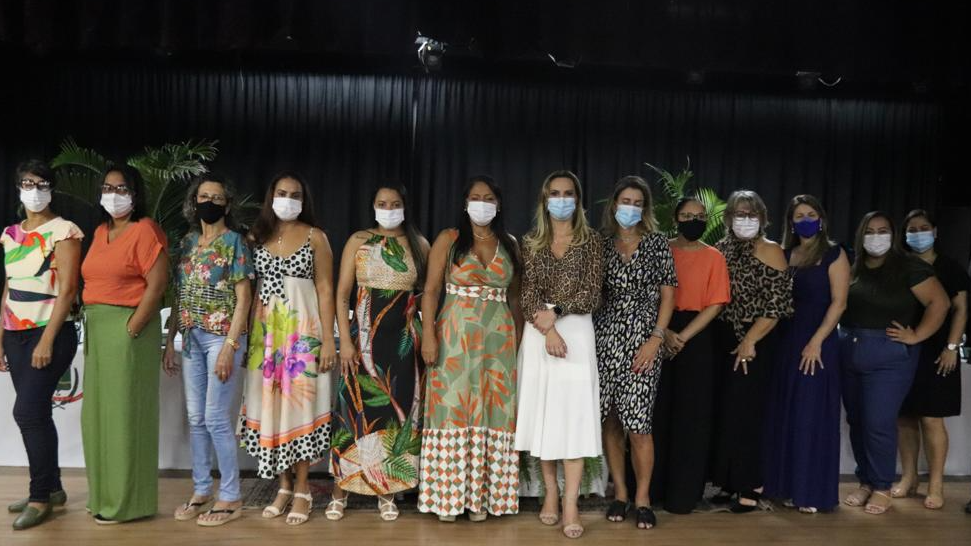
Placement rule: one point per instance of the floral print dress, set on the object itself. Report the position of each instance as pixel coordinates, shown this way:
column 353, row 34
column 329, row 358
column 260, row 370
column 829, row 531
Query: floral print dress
column 287, row 406
column 469, row 458
column 377, row 430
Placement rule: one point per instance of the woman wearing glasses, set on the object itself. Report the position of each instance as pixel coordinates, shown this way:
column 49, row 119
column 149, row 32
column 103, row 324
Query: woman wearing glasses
column 38, row 340
column 683, row 410
column 761, row 295
column 125, row 273
column 214, row 294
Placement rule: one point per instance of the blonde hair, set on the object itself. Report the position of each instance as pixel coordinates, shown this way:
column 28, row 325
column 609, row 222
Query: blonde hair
column 648, row 224
column 541, row 235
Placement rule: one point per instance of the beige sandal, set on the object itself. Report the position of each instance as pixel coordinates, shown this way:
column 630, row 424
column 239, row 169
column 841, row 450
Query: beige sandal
column 478, row 516
column 272, row 511
column 191, row 510
column 574, row 530
column 859, row 497
column 298, row 518
column 387, row 508
column 898, row 492
column 933, row 502
column 877, row 509
column 335, row 508
column 233, row 514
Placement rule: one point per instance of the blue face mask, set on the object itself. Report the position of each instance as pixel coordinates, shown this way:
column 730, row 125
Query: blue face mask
column 807, row 228
column 920, row 241
column 561, row 208
column 628, row 215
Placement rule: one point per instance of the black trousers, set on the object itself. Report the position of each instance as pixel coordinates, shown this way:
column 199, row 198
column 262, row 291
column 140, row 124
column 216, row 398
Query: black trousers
column 739, row 410
column 683, row 421
column 32, row 408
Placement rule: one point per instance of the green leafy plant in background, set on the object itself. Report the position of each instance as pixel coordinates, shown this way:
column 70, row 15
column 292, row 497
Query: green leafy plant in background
column 167, row 171
column 674, row 187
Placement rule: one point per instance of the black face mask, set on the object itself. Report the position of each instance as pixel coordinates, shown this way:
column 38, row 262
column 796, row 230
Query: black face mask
column 692, row 229
column 210, row 212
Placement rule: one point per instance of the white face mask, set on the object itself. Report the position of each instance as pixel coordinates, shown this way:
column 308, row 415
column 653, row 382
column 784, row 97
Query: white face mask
column 481, row 212
column 117, row 205
column 877, row 244
column 745, row 228
column 287, row 209
column 389, row 219
column 35, row 200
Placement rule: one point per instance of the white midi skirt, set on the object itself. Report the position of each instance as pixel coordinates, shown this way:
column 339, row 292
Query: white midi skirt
column 559, row 398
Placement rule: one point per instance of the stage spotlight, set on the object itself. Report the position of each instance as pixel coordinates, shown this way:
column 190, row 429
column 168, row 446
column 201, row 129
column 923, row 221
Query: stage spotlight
column 430, row 53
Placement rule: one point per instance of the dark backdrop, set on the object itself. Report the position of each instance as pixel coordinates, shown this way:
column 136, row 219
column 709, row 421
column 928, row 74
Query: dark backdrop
column 347, row 132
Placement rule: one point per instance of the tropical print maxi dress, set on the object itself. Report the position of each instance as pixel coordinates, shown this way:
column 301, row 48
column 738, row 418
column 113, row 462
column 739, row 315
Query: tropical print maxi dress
column 377, row 431
column 287, row 402
column 469, row 460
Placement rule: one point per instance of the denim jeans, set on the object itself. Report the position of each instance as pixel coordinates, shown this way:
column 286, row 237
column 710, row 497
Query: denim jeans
column 32, row 408
column 209, row 404
column 876, row 376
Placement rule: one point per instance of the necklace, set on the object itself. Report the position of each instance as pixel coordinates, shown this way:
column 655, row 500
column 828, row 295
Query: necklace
column 481, row 238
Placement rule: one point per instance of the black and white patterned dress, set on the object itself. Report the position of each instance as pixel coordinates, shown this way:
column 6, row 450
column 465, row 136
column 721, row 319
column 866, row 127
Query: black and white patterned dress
column 286, row 415
column 631, row 300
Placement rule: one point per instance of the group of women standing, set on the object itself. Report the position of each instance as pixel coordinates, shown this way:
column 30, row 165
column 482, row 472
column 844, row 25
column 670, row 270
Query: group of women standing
column 714, row 363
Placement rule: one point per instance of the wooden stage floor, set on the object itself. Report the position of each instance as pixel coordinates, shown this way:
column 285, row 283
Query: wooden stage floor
column 908, row 523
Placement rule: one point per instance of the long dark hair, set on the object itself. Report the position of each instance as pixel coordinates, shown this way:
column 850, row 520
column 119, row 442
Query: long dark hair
column 860, row 254
column 411, row 232
column 266, row 222
column 820, row 243
column 463, row 245
column 136, row 188
column 902, row 244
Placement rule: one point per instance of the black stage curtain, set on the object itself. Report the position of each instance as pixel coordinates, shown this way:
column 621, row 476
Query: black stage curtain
column 347, row 132
column 856, row 155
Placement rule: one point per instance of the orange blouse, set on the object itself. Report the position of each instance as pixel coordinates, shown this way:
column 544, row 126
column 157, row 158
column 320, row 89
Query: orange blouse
column 702, row 278
column 114, row 273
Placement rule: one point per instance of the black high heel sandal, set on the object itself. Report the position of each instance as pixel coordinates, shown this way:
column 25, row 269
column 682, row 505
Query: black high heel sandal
column 739, row 508
column 646, row 517
column 618, row 509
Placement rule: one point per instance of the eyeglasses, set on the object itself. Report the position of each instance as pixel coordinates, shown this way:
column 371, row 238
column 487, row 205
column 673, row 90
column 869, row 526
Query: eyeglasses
column 687, row 216
column 29, row 184
column 745, row 215
column 120, row 190
column 218, row 199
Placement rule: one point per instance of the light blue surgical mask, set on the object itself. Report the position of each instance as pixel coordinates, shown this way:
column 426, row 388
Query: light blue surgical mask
column 628, row 215
column 561, row 208
column 920, row 241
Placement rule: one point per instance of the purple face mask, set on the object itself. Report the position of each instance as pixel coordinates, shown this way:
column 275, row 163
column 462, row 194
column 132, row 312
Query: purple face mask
column 807, row 228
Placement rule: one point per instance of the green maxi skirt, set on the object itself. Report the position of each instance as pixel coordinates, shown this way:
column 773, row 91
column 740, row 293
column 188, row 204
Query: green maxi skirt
column 119, row 413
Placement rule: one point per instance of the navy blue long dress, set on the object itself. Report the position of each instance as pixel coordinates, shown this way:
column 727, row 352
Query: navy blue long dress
column 802, row 426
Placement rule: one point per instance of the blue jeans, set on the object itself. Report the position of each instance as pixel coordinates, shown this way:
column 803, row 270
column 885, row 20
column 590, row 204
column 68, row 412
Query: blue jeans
column 876, row 376
column 211, row 415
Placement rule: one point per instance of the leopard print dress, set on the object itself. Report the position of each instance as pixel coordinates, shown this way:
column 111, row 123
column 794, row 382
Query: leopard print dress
column 631, row 301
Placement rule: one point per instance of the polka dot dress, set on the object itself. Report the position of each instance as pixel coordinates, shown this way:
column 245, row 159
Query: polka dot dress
column 287, row 406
